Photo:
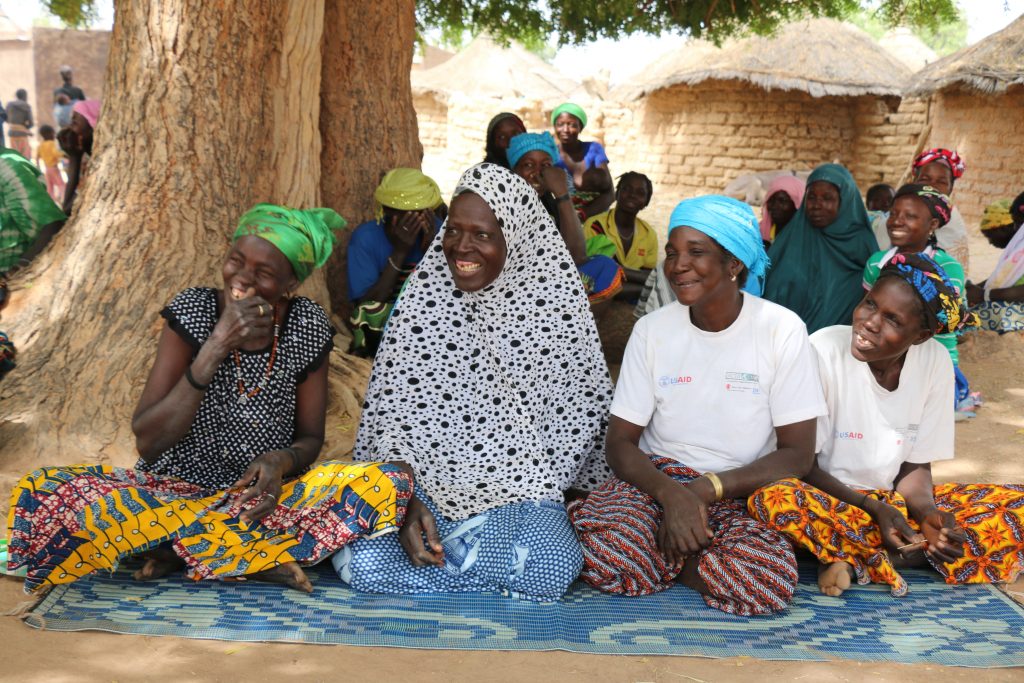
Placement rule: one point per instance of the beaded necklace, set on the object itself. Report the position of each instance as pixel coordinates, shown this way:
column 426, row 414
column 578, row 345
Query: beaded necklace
column 245, row 394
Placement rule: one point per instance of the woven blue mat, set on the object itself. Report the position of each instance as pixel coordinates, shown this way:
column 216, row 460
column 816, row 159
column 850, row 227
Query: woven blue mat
column 974, row 626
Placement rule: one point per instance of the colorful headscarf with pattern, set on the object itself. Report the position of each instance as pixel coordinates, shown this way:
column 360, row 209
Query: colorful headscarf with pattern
column 945, row 156
column 942, row 300
column 529, row 142
column 570, row 108
column 406, row 189
column 938, row 204
column 997, row 215
column 305, row 236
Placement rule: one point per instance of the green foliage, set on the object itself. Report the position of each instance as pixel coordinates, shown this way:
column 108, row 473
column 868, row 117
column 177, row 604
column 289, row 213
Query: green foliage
column 946, row 37
column 72, row 13
column 577, row 21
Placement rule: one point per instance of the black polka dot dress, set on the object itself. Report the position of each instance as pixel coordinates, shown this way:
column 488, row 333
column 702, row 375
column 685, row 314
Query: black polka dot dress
column 496, row 396
column 230, row 430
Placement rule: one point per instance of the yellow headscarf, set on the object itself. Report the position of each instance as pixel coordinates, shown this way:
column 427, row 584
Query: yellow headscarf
column 406, row 189
column 997, row 215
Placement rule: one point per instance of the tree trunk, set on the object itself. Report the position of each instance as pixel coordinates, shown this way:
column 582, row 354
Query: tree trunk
column 367, row 119
column 211, row 106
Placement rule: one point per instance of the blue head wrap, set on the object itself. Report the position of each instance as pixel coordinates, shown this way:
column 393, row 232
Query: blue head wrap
column 733, row 225
column 528, row 142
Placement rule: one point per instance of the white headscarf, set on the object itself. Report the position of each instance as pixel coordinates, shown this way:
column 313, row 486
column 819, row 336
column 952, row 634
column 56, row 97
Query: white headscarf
column 499, row 395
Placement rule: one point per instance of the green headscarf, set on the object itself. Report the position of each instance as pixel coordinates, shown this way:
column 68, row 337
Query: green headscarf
column 570, row 108
column 406, row 189
column 817, row 272
column 304, row 236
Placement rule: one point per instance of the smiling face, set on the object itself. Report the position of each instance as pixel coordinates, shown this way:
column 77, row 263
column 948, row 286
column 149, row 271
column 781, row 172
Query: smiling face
column 568, row 128
column 821, row 203
column 530, row 166
column 887, row 322
column 937, row 174
column 632, row 196
column 255, row 263
column 697, row 269
column 473, row 244
column 910, row 224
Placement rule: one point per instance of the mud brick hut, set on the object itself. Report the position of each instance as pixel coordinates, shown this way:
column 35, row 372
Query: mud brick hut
column 455, row 100
column 817, row 91
column 976, row 105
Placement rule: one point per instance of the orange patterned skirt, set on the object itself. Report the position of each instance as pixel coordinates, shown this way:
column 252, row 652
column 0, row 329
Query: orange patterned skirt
column 992, row 516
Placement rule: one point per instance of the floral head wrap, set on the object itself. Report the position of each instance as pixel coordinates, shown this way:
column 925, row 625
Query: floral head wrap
column 943, row 303
column 529, row 142
column 996, row 215
column 946, row 156
column 938, row 204
column 304, row 236
column 406, row 189
column 570, row 108
column 732, row 224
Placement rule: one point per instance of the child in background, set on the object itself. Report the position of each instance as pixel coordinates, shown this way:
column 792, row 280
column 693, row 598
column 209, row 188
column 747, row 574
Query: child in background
column 50, row 154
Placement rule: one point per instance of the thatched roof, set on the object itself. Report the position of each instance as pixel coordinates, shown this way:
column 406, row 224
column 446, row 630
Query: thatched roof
column 487, row 69
column 990, row 66
column 910, row 50
column 821, row 57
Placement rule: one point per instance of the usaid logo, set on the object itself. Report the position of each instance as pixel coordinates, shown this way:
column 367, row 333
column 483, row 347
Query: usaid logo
column 666, row 381
column 849, row 436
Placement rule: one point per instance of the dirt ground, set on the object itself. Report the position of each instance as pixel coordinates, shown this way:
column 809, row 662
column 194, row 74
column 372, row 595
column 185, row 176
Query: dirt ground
column 989, row 448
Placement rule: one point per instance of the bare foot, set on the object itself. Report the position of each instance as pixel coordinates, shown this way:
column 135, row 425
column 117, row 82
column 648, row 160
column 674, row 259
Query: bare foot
column 290, row 574
column 158, row 564
column 834, row 578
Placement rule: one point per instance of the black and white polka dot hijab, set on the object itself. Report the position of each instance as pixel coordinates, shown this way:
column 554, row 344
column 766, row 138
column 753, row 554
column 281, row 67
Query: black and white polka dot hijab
column 500, row 395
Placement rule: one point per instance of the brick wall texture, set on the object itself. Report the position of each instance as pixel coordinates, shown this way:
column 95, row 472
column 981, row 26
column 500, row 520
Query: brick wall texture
column 695, row 140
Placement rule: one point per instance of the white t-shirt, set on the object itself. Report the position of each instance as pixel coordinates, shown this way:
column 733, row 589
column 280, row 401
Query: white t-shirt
column 870, row 432
column 711, row 400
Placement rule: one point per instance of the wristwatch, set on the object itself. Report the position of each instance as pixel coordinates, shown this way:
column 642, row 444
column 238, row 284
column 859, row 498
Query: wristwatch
column 563, row 198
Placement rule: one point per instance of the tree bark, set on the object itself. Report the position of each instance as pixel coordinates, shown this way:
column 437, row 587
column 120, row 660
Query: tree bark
column 211, row 106
column 367, row 119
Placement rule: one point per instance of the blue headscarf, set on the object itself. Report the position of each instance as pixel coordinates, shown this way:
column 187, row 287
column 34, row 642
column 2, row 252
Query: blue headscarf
column 733, row 225
column 528, row 142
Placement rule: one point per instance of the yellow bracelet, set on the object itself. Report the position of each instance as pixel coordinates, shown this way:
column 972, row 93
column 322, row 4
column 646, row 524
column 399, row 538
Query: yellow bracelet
column 716, row 483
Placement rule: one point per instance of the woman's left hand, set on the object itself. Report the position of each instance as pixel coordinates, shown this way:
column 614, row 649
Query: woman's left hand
column 262, row 479
column 945, row 539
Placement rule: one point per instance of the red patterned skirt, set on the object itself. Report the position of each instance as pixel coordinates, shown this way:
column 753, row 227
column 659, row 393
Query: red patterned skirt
column 749, row 568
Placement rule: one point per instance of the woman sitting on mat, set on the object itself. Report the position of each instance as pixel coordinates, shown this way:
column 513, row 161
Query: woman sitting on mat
column 721, row 383
column 869, row 507
column 532, row 157
column 229, row 422
column 491, row 385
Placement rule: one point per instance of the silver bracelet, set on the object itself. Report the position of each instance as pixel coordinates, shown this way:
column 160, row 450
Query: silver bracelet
column 392, row 264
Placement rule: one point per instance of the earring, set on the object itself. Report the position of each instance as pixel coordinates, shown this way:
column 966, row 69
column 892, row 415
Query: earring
column 733, row 278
